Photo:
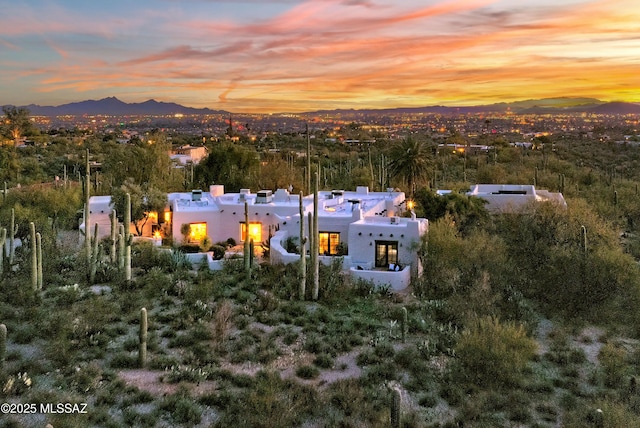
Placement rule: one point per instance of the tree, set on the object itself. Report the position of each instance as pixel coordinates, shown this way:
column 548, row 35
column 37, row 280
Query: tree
column 146, row 163
column 16, row 122
column 228, row 164
column 466, row 211
column 409, row 161
column 144, row 201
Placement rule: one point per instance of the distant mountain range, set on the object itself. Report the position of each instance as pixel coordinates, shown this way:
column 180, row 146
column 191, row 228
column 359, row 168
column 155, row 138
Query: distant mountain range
column 541, row 106
column 114, row 107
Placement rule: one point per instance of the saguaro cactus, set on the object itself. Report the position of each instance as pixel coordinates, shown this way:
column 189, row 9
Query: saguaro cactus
column 114, row 236
column 34, row 257
column 12, row 236
column 308, row 166
column 302, row 288
column 396, row 403
column 404, row 324
column 95, row 255
column 142, row 350
column 315, row 250
column 246, row 248
column 121, row 245
column 3, row 240
column 251, row 253
column 127, row 237
column 3, row 344
column 583, row 239
column 87, row 210
column 39, row 259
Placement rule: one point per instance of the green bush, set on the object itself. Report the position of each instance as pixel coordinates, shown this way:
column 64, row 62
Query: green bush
column 491, row 353
column 218, row 252
column 613, row 362
column 324, row 361
column 307, row 372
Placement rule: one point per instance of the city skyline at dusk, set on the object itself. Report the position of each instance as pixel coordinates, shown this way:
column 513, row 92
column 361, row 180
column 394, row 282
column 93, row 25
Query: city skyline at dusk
column 292, row 56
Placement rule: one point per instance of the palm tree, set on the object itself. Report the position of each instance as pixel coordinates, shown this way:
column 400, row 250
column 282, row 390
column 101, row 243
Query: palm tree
column 409, row 161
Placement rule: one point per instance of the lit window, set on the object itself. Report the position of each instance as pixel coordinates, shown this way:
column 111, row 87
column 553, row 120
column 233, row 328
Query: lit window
column 255, row 232
column 386, row 253
column 197, row 231
column 328, row 243
column 167, row 216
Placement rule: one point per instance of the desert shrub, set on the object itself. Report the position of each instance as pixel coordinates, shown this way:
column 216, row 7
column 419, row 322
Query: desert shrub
column 271, row 402
column 144, row 255
column 181, row 408
column 218, row 252
column 222, row 321
column 307, row 372
column 124, row 360
column 491, row 353
column 612, row 360
column 323, row 361
column 189, row 248
column 205, row 244
column 384, row 350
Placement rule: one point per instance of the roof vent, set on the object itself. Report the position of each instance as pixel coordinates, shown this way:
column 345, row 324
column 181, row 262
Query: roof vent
column 264, row 197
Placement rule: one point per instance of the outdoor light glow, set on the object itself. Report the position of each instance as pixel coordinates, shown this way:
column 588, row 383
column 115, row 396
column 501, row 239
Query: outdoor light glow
column 410, row 205
column 197, row 231
column 255, row 232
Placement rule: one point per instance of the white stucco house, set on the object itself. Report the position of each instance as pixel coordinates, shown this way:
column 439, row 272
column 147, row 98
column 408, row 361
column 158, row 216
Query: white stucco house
column 512, row 198
column 367, row 229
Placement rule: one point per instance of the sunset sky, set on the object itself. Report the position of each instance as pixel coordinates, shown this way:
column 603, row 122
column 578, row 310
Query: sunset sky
column 294, row 55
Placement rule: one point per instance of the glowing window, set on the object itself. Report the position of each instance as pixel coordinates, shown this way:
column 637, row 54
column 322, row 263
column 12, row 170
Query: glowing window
column 328, row 243
column 386, row 253
column 167, row 216
column 255, row 232
column 197, row 231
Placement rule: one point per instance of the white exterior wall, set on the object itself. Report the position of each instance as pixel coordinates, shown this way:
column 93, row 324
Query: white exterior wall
column 364, row 234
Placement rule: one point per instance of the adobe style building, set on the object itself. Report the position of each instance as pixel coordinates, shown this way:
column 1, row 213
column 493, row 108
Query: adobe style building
column 513, row 198
column 366, row 229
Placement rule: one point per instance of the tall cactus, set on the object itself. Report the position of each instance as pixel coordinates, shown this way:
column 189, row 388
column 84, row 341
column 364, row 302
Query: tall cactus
column 13, row 230
column 315, row 250
column 121, row 249
column 95, row 255
column 247, row 256
column 404, row 325
column 302, row 288
column 127, row 237
column 39, row 258
column 308, row 167
column 583, row 239
column 114, row 236
column 142, row 350
column 34, row 257
column 3, row 344
column 251, row 253
column 396, row 404
column 87, row 210
column 3, row 240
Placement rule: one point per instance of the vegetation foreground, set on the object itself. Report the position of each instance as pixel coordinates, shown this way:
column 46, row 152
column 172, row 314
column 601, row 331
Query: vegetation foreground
column 518, row 320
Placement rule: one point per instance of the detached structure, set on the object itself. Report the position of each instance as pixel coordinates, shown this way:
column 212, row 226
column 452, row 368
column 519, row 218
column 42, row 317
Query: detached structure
column 366, row 229
column 512, row 198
